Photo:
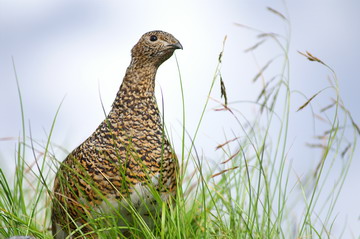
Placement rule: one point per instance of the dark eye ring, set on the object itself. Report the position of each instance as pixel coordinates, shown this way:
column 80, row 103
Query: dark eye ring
column 153, row 38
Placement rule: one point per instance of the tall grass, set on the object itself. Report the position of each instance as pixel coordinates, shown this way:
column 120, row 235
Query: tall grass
column 247, row 194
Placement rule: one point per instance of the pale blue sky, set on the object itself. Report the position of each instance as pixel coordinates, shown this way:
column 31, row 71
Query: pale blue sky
column 71, row 49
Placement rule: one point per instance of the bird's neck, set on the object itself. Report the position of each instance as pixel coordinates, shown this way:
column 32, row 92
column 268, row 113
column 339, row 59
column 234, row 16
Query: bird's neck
column 138, row 83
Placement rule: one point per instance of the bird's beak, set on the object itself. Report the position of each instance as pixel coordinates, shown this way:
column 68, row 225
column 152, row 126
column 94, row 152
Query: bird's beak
column 176, row 46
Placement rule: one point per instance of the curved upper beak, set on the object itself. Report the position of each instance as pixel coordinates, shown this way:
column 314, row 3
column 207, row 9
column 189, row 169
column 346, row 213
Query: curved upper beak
column 176, row 46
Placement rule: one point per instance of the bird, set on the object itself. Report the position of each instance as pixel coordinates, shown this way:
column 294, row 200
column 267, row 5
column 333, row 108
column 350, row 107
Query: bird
column 126, row 156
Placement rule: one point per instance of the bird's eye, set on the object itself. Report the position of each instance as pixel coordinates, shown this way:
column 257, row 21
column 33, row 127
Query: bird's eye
column 153, row 38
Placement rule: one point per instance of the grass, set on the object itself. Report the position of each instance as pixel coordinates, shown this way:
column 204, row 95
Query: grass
column 246, row 194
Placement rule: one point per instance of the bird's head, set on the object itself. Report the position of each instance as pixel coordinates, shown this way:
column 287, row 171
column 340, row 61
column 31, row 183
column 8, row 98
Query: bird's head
column 155, row 47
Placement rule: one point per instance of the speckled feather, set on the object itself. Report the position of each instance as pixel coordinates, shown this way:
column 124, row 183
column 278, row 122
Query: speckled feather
column 127, row 150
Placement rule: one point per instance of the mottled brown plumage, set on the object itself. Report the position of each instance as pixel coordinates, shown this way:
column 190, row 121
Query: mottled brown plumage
column 127, row 151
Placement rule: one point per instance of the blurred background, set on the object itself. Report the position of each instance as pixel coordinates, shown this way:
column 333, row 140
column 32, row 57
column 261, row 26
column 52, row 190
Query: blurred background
column 76, row 51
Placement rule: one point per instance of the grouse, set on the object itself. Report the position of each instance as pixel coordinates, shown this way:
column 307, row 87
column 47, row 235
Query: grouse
column 126, row 155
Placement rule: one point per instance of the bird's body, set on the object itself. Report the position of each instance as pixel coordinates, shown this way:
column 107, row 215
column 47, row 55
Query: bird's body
column 126, row 153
